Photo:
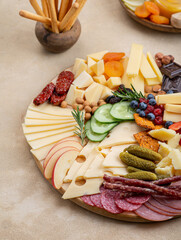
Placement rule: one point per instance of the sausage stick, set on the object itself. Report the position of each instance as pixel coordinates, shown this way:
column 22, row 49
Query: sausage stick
column 51, row 5
column 63, row 9
column 45, row 7
column 37, row 8
column 74, row 16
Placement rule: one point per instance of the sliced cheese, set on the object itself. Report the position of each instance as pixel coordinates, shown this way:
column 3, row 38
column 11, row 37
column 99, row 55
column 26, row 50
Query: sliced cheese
column 164, row 149
column 174, row 117
column 112, row 160
column 125, row 79
column 88, row 149
column 175, row 155
column 121, row 134
column 76, row 64
column 138, row 83
column 82, row 66
column 50, row 109
column 116, row 171
column 100, row 79
column 154, row 67
column 36, row 115
column 93, row 92
column 97, row 56
column 166, row 161
column 105, row 151
column 83, row 80
column 173, row 108
column 114, row 82
column 174, row 98
column 98, row 68
column 174, row 142
column 44, row 122
column 134, row 60
column 106, row 92
column 146, row 69
column 95, row 170
column 74, row 93
column 162, row 134
column 152, row 81
column 41, row 153
column 165, row 171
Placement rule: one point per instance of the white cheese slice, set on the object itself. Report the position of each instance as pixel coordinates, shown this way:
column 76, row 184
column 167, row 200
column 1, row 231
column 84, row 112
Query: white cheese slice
column 105, row 151
column 84, row 80
column 93, row 92
column 112, row 160
column 41, row 153
column 44, row 122
column 70, row 99
column 174, row 117
column 175, row 155
column 174, row 142
column 97, row 56
column 116, row 171
column 37, row 115
column 121, row 134
column 174, row 98
column 173, row 108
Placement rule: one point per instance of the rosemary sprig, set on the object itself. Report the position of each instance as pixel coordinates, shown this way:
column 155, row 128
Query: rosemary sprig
column 79, row 118
column 127, row 95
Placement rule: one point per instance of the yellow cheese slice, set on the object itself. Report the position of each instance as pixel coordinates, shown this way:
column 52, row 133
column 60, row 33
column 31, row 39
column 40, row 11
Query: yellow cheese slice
column 41, row 153
column 175, row 155
column 100, row 79
column 36, row 136
column 174, row 142
column 164, row 149
column 174, row 98
column 154, row 67
column 97, row 56
column 125, row 79
column 96, row 169
column 134, row 60
column 93, row 92
column 138, row 83
column 167, row 171
column 105, row 151
column 50, row 109
column 113, row 82
column 35, row 144
column 146, row 69
column 91, row 186
column 112, row 160
column 44, row 122
column 70, row 98
column 37, row 115
column 162, row 134
column 152, row 81
column 98, row 68
column 173, row 108
column 121, row 134
column 84, row 80
column 174, row 117
column 105, row 92
column 76, row 64
column 116, row 171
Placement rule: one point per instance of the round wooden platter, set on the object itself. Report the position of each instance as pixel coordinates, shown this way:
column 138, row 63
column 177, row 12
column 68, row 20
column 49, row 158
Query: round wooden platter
column 149, row 24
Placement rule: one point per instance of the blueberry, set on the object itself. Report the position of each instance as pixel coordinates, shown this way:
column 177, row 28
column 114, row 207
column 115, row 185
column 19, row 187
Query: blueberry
column 168, row 124
column 142, row 106
column 138, row 110
column 134, row 104
column 150, row 96
column 150, row 116
column 142, row 114
column 169, row 92
column 152, row 101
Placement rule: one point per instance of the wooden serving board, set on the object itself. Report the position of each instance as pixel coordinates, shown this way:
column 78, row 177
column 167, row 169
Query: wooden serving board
column 149, row 24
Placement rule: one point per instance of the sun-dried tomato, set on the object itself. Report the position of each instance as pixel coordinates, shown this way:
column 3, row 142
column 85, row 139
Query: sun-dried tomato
column 45, row 94
column 57, row 99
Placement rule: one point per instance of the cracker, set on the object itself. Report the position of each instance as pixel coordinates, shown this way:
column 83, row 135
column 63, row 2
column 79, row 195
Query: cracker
column 139, row 136
column 145, row 123
column 150, row 143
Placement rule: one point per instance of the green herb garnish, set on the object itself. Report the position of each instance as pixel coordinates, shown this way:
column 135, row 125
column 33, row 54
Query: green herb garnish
column 79, row 118
column 127, row 95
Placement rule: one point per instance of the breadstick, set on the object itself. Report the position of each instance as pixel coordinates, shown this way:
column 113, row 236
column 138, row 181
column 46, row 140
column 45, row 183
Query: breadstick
column 63, row 9
column 69, row 5
column 51, row 5
column 36, row 7
column 45, row 8
column 56, row 6
column 35, row 17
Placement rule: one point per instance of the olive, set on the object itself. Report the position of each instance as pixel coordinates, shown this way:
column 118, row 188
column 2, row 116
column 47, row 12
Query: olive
column 115, row 100
column 109, row 98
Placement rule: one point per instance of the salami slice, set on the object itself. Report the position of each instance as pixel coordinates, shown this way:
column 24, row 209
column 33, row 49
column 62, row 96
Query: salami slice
column 170, row 202
column 126, row 206
column 155, row 209
column 171, row 210
column 87, row 199
column 150, row 215
column 138, row 199
column 96, row 199
column 108, row 198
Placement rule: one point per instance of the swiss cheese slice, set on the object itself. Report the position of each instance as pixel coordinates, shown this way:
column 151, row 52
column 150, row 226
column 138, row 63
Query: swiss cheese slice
column 121, row 134
column 95, row 170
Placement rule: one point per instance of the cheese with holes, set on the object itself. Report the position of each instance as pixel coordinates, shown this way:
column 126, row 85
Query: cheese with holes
column 162, row 134
column 134, row 60
column 90, row 62
column 106, row 92
column 82, row 66
column 83, row 80
column 112, row 160
column 174, row 117
column 38, row 115
column 113, row 82
column 50, row 109
column 44, row 122
column 154, row 67
column 93, row 92
column 121, row 134
column 100, row 79
column 138, row 83
column 98, row 68
column 97, row 56
column 173, row 108
column 174, row 142
column 175, row 155
column 174, row 98
column 95, row 170
column 76, row 64
column 105, row 151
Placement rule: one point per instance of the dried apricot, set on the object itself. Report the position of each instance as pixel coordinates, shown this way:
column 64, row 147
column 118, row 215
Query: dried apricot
column 113, row 56
column 142, row 12
column 159, row 19
column 114, row 69
column 152, row 8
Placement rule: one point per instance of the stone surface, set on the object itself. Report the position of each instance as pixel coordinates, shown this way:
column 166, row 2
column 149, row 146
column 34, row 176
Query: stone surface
column 29, row 207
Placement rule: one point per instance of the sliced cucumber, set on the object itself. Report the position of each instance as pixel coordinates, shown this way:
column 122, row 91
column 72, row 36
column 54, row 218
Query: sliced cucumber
column 122, row 111
column 102, row 114
column 94, row 137
column 99, row 127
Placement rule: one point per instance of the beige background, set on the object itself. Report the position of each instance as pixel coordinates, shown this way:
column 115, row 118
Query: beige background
column 30, row 207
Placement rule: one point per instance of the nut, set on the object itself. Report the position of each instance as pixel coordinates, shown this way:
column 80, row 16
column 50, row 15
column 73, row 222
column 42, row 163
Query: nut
column 161, row 92
column 86, row 103
column 102, row 103
column 166, row 60
column 156, row 88
column 148, row 89
column 80, row 107
column 79, row 100
column 75, row 106
column 94, row 109
column 159, row 56
column 63, row 104
column 159, row 63
column 87, row 116
column 88, row 109
column 93, row 104
column 171, row 58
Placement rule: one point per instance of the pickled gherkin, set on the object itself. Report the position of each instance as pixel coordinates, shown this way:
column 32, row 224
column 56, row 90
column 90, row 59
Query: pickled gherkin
column 142, row 175
column 144, row 153
column 133, row 169
column 136, row 162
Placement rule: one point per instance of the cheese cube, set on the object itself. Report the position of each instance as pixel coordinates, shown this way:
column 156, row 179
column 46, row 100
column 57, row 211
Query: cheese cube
column 167, row 171
column 173, row 108
column 97, row 56
column 154, row 67
column 174, row 142
column 76, row 64
column 152, row 81
column 82, row 66
column 138, row 83
column 162, row 134
column 93, row 92
column 164, row 149
column 90, row 62
column 100, row 79
column 73, row 93
column 174, row 117
column 113, row 82
column 98, row 68
column 174, row 98
column 106, row 92
column 176, row 159
column 83, row 80
column 134, row 60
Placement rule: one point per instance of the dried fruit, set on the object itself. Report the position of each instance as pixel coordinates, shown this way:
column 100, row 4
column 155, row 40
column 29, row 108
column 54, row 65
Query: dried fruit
column 159, row 19
column 142, row 12
column 152, row 8
column 113, row 56
column 114, row 69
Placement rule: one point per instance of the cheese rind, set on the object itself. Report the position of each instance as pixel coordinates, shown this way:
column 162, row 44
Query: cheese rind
column 83, row 80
